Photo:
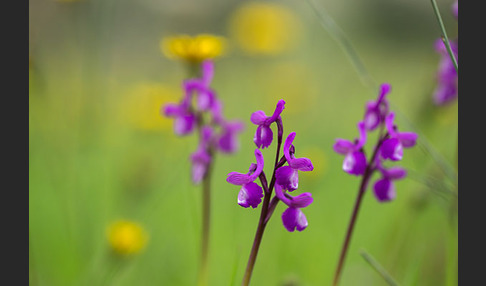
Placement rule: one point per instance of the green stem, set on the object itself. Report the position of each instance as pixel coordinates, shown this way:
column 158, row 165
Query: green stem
column 444, row 37
column 206, row 215
column 377, row 266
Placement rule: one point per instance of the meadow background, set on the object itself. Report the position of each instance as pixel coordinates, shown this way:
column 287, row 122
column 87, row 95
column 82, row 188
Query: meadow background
column 100, row 152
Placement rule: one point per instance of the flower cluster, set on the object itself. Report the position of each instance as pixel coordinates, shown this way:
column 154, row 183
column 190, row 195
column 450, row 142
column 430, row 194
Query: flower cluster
column 200, row 102
column 446, row 90
column 389, row 147
column 285, row 179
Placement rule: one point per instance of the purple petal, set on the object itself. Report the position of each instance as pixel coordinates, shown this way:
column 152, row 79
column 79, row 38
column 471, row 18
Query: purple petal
column 280, row 194
column 206, row 134
column 228, row 142
column 205, row 99
column 384, row 90
column 171, row 110
column 355, row 163
column 372, row 116
column 250, row 195
column 362, row 136
column 287, row 144
column 395, row 173
column 445, row 93
column 301, row 201
column 342, row 146
column 216, row 111
column 287, row 177
column 408, row 139
column 200, row 160
column 389, row 124
column 278, row 110
column 259, row 164
column 455, row 10
column 238, row 179
column 258, row 117
column 294, row 218
column 184, row 124
column 384, row 190
column 207, row 72
column 263, row 136
column 301, row 164
column 392, row 149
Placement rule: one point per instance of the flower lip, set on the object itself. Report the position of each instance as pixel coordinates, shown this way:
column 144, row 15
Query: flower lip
column 236, row 178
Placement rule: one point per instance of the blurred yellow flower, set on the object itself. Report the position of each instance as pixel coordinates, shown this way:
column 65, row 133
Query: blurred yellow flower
column 126, row 237
column 193, row 49
column 140, row 108
column 265, row 28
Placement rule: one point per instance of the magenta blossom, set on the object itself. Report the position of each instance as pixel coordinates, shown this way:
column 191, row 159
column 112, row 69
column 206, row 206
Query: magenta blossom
column 201, row 86
column 264, row 135
column 184, row 119
column 384, row 189
column 201, row 157
column 288, row 176
column 250, row 193
column 354, row 161
column 392, row 148
column 376, row 110
column 293, row 218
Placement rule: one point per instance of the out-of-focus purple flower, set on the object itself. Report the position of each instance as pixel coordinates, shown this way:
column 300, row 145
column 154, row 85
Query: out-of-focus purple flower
column 201, row 157
column 250, row 193
column 201, row 86
column 293, row 218
column 227, row 141
column 354, row 161
column 288, row 176
column 376, row 110
column 184, row 119
column 384, row 189
column 264, row 135
column 446, row 90
column 455, row 10
column 392, row 148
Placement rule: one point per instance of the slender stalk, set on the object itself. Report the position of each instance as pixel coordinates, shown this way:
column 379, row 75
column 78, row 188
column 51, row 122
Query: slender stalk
column 206, row 215
column 364, row 184
column 262, row 223
column 444, row 37
column 377, row 266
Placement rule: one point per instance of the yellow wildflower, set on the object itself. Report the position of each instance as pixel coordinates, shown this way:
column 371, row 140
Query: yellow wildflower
column 193, row 49
column 126, row 237
column 265, row 28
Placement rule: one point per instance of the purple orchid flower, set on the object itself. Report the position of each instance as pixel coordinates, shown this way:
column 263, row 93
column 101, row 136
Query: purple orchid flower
column 455, row 10
column 376, row 110
column 392, row 148
column 288, row 176
column 384, row 189
column 264, row 135
column 293, row 218
column 355, row 161
column 205, row 95
column 446, row 90
column 184, row 119
column 250, row 193
column 201, row 157
column 227, row 141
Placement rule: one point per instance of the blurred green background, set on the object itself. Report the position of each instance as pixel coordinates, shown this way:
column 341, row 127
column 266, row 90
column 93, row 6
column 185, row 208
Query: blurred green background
column 100, row 151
